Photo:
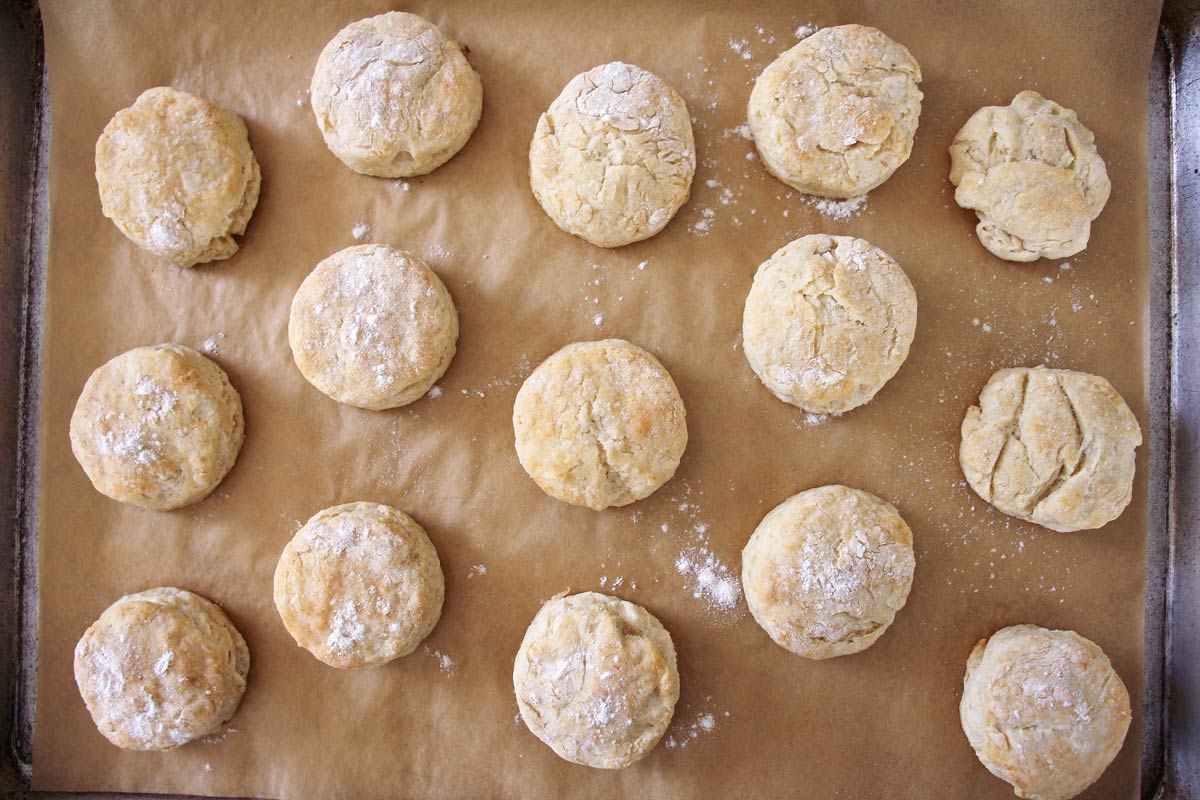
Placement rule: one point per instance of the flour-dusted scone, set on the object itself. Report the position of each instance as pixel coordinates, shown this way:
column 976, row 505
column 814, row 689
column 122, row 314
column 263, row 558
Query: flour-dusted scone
column 835, row 115
column 157, row 427
column 359, row 585
column 1051, row 446
column 827, row 569
column 1031, row 173
column 394, row 96
column 600, row 424
column 596, row 679
column 177, row 176
column 1044, row 710
column 613, row 157
column 828, row 321
column 160, row 668
column 373, row 327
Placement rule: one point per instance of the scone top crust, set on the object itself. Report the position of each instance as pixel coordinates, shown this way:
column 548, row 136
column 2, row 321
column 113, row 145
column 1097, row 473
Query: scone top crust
column 1044, row 710
column 157, row 427
column 613, row 157
column 600, row 424
column 394, row 96
column 1051, row 446
column 1031, row 173
column 828, row 321
column 177, row 176
column 373, row 327
column 835, row 115
column 826, row 571
column 596, row 679
column 359, row 585
column 160, row 668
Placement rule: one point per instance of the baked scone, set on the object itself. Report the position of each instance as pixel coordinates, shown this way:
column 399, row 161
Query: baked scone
column 828, row 321
column 596, row 679
column 827, row 569
column 1044, row 710
column 613, row 157
column 835, row 115
column 359, row 585
column 394, row 96
column 1051, row 446
column 1031, row 173
column 158, row 427
column 600, row 424
column 160, row 668
column 373, row 327
column 177, row 176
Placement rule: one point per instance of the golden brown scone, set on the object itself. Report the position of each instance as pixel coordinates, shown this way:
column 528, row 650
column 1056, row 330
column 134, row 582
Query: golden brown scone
column 373, row 327
column 828, row 321
column 835, row 116
column 157, row 427
column 600, row 424
column 359, row 585
column 394, row 96
column 1051, row 446
column 613, row 157
column 161, row 668
column 827, row 569
column 596, row 679
column 1031, row 173
column 177, row 176
column 1044, row 710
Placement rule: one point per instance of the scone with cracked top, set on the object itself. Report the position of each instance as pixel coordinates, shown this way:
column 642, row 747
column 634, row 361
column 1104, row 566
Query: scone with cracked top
column 827, row 569
column 613, row 157
column 596, row 679
column 1051, row 446
column 1044, row 710
column 600, row 424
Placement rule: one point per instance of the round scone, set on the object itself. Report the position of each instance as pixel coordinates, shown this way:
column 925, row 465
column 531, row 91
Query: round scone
column 394, row 96
column 158, row 427
column 827, row 569
column 1031, row 173
column 359, row 585
column 161, row 668
column 596, row 679
column 177, row 176
column 1051, row 446
column 600, row 424
column 1044, row 710
column 835, row 116
column 373, row 327
column 828, row 321
column 613, row 157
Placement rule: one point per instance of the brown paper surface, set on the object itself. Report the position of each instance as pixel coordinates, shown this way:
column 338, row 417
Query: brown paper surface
column 441, row 722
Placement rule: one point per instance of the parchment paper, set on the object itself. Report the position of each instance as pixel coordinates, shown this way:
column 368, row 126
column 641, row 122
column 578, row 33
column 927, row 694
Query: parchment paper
column 441, row 722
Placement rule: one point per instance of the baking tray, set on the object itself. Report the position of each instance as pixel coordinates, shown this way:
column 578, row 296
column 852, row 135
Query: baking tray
column 1171, row 733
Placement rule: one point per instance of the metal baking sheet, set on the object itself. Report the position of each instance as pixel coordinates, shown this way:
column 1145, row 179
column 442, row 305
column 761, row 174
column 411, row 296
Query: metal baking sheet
column 1171, row 733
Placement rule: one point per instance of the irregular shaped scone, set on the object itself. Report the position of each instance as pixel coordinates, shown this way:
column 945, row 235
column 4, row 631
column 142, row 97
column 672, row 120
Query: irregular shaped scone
column 613, row 157
column 596, row 679
column 828, row 321
column 373, row 327
column 1031, row 173
column 1051, row 446
column 359, row 585
column 1044, row 710
column 600, row 424
column 177, row 176
column 394, row 96
column 827, row 569
column 157, row 427
column 161, row 668
column 835, row 116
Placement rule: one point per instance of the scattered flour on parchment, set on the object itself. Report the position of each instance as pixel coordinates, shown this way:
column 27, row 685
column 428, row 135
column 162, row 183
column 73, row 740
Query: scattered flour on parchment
column 837, row 209
column 681, row 734
column 361, row 232
column 445, row 663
